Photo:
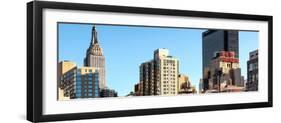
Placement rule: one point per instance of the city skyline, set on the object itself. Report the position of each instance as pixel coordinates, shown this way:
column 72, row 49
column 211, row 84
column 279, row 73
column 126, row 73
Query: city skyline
column 141, row 41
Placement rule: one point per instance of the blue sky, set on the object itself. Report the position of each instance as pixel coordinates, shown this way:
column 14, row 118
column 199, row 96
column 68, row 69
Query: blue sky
column 126, row 47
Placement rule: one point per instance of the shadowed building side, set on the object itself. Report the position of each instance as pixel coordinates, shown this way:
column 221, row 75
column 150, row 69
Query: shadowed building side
column 252, row 71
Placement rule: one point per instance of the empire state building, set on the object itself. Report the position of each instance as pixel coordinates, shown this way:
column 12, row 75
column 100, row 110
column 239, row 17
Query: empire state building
column 94, row 58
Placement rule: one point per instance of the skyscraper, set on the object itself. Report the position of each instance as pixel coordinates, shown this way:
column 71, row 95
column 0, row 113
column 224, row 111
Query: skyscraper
column 94, row 58
column 160, row 75
column 216, row 41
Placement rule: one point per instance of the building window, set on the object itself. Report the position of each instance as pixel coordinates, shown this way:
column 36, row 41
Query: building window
column 78, row 95
column 251, row 67
column 78, row 83
column 78, row 86
column 78, row 91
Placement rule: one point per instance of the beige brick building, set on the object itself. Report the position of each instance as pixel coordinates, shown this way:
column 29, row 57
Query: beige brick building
column 160, row 75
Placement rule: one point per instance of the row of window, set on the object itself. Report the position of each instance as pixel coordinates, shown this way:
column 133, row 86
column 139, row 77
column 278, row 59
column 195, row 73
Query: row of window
column 169, row 78
column 169, row 68
column 169, row 61
column 171, row 71
column 72, row 76
column 171, row 89
column 87, row 90
column 66, row 77
column 68, row 74
column 170, row 93
column 78, row 95
column 165, row 82
column 87, row 76
column 169, row 75
column 168, row 86
column 86, row 82
column 89, row 86
column 85, row 70
column 169, row 65
column 95, row 80
column 89, row 71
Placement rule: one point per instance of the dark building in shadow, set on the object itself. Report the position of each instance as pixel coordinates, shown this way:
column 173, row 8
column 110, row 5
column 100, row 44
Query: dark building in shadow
column 252, row 72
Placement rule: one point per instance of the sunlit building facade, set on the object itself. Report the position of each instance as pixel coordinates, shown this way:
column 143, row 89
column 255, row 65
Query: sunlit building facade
column 223, row 74
column 63, row 68
column 78, row 82
column 95, row 58
column 160, row 75
column 184, row 85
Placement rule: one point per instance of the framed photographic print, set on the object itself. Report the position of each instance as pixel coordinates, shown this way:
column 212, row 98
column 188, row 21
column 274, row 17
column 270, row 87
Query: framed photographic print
column 89, row 61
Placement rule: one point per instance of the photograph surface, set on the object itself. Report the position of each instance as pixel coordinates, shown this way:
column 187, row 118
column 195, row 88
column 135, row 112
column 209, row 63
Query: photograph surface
column 100, row 60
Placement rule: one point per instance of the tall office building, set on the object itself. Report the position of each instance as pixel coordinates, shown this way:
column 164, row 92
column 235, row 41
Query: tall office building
column 160, row 75
column 94, row 58
column 252, row 71
column 216, row 41
column 78, row 82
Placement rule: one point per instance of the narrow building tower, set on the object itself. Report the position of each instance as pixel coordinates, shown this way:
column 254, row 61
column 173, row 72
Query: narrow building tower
column 94, row 58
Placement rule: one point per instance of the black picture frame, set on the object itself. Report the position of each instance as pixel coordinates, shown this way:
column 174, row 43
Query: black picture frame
column 35, row 69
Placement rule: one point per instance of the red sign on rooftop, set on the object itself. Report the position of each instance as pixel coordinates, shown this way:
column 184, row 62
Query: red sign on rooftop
column 228, row 56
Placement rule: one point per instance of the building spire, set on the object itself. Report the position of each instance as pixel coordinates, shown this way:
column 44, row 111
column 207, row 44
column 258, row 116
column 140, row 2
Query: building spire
column 94, row 36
